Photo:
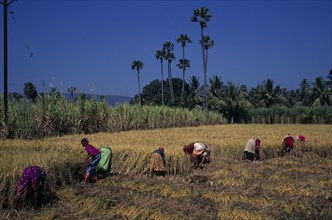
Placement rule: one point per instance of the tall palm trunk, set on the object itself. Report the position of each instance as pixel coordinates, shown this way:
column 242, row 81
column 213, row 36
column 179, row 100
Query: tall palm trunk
column 162, row 82
column 139, row 89
column 183, row 74
column 204, row 72
column 170, row 81
column 205, row 76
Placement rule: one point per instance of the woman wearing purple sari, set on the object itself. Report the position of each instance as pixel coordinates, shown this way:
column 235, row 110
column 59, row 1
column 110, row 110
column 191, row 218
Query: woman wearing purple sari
column 92, row 159
column 31, row 181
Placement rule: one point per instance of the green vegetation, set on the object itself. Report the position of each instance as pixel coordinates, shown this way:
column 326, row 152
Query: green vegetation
column 52, row 115
column 265, row 103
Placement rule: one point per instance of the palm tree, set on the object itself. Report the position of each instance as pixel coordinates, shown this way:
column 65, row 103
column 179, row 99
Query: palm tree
column 320, row 92
column 160, row 55
column 137, row 65
column 268, row 94
column 234, row 100
column 216, row 93
column 304, row 92
column 253, row 96
column 206, row 43
column 183, row 39
column 290, row 97
column 183, row 64
column 168, row 47
column 216, row 86
column 202, row 15
column 193, row 97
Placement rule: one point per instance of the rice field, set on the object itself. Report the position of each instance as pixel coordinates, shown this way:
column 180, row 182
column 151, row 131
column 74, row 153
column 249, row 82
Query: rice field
column 289, row 187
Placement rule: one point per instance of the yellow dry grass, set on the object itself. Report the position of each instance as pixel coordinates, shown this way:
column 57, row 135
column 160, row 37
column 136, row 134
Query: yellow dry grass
column 276, row 177
column 130, row 147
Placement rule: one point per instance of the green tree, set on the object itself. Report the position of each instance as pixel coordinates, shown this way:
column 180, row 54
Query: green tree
column 320, row 94
column 253, row 96
column 138, row 65
column 216, row 94
column 304, row 92
column 289, row 97
column 203, row 16
column 30, row 91
column 183, row 39
column 194, row 97
column 268, row 95
column 160, row 55
column 151, row 92
column 234, row 100
column 216, row 86
column 230, row 99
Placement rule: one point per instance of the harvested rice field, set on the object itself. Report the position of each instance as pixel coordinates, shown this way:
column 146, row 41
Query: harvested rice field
column 297, row 186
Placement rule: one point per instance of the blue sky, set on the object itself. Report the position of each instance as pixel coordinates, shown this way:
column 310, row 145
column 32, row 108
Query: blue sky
column 83, row 43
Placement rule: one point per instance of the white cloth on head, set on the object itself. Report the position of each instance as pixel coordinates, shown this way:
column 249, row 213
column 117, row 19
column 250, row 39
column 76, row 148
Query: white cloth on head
column 199, row 146
column 250, row 146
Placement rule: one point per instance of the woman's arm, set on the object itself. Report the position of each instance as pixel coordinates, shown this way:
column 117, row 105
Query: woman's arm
column 87, row 159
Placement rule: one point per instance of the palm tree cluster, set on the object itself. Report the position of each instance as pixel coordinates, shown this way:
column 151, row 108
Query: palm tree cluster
column 166, row 53
column 234, row 100
column 203, row 16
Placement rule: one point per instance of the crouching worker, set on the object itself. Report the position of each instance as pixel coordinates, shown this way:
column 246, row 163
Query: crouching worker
column 288, row 144
column 32, row 182
column 252, row 150
column 200, row 153
column 91, row 161
column 301, row 139
column 105, row 163
column 158, row 162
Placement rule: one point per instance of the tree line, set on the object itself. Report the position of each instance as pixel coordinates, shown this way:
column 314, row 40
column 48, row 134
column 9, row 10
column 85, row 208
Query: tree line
column 239, row 104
